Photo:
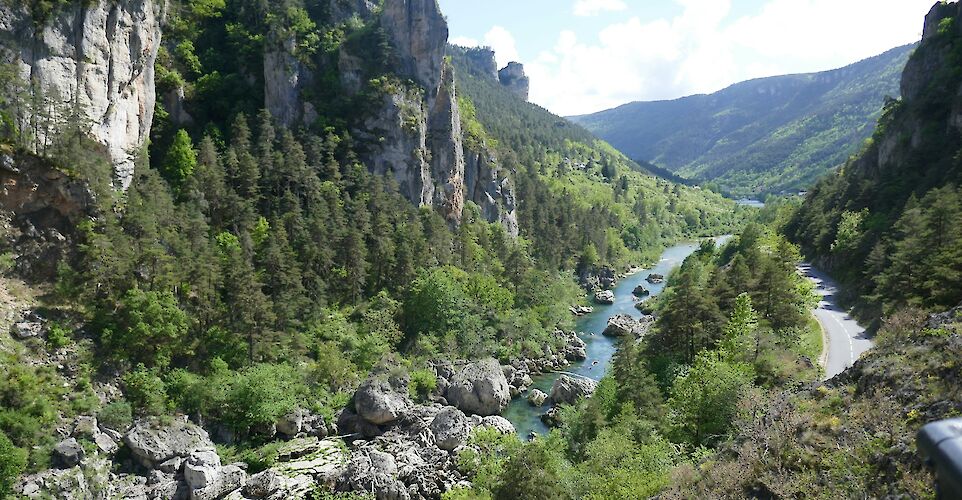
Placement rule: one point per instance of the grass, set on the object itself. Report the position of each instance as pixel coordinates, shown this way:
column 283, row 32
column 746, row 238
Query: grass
column 811, row 344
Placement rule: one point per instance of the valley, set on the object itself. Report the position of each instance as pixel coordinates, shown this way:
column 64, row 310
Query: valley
column 336, row 249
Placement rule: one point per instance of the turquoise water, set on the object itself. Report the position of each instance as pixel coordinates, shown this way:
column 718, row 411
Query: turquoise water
column 526, row 418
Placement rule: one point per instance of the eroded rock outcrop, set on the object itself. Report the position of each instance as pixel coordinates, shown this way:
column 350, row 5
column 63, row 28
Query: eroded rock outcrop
column 447, row 151
column 513, row 78
column 95, row 59
column 153, row 443
column 285, row 76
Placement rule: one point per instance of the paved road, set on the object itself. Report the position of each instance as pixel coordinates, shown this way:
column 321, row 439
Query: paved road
column 847, row 340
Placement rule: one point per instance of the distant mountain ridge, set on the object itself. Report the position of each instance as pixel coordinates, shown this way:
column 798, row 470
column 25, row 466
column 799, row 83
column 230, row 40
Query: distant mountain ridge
column 761, row 136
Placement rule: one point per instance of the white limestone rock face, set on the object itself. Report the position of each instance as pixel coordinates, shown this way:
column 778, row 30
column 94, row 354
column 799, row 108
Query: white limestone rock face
column 96, row 58
column 419, row 32
column 398, row 132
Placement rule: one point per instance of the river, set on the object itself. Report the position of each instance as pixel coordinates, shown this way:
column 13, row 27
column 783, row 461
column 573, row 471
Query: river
column 526, row 418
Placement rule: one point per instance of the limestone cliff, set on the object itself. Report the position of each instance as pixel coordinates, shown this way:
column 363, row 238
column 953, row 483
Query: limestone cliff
column 398, row 131
column 419, row 34
column 929, row 116
column 447, row 153
column 419, row 140
column 285, row 77
column 514, row 79
column 483, row 62
column 95, row 59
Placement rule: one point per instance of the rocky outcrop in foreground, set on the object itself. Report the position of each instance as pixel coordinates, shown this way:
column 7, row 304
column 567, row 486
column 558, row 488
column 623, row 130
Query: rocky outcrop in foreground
column 405, row 450
column 95, row 58
column 177, row 460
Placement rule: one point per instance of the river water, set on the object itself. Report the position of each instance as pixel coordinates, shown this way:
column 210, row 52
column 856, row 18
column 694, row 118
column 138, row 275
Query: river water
column 526, row 418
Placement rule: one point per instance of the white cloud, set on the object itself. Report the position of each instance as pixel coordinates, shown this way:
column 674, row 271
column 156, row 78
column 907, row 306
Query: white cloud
column 504, row 45
column 498, row 39
column 587, row 8
column 705, row 48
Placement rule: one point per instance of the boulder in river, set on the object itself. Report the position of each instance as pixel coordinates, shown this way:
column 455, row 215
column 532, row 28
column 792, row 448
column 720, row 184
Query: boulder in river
column 623, row 325
column 655, row 279
column 480, row 388
column 568, row 389
column 537, row 397
column 574, row 348
column 640, row 291
column 606, row 297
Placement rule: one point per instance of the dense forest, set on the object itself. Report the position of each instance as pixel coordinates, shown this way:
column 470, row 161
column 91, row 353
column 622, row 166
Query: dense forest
column 252, row 269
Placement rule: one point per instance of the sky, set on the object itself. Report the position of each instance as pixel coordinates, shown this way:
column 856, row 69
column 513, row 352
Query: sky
column 585, row 56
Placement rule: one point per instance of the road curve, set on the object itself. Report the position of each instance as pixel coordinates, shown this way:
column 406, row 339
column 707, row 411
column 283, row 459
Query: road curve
column 846, row 340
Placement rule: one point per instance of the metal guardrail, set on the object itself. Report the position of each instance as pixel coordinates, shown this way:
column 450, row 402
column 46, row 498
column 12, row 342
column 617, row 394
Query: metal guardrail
column 940, row 444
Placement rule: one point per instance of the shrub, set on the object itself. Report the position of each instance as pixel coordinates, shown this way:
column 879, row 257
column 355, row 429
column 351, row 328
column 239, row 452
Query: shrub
column 149, row 328
column 146, row 391
column 423, row 383
column 117, row 416
column 58, row 336
column 261, row 394
column 13, row 460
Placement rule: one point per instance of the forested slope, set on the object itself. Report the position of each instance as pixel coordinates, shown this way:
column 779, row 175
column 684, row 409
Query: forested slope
column 317, row 206
column 888, row 224
column 762, row 136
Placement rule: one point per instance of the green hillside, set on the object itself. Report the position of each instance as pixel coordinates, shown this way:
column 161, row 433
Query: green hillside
column 762, row 136
column 568, row 181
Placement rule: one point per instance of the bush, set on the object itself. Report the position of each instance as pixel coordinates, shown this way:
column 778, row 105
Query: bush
column 13, row 460
column 118, row 416
column 261, row 394
column 149, row 328
column 423, row 383
column 58, row 336
column 146, row 391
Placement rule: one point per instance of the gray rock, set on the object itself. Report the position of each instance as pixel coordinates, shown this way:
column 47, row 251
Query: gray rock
column 372, row 471
column 105, row 444
column 229, row 478
column 419, row 34
column 605, row 297
column 200, row 476
column 568, row 390
column 263, row 484
column 85, row 427
column 515, row 80
column 480, row 388
column 153, row 443
column 624, row 325
column 537, row 397
column 380, row 402
column 68, row 453
column 451, row 428
column 171, row 466
column 27, row 330
column 292, row 424
column 100, row 55
column 499, row 424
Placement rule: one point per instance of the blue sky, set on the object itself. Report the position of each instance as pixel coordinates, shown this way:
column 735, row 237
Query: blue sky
column 588, row 55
